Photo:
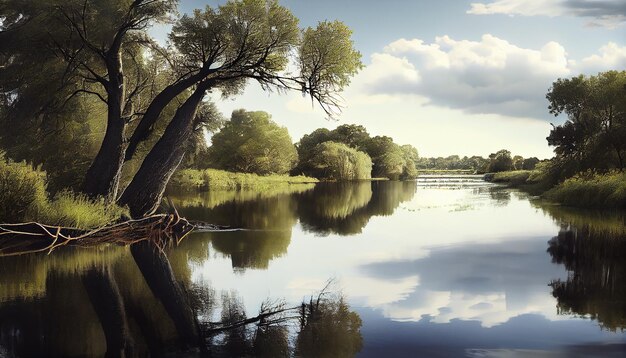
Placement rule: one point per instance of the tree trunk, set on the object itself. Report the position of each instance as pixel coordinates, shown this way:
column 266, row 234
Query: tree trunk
column 145, row 191
column 146, row 125
column 103, row 176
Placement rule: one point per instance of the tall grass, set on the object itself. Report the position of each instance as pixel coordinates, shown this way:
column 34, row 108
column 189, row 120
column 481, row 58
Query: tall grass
column 514, row 177
column 23, row 197
column 591, row 190
column 213, row 179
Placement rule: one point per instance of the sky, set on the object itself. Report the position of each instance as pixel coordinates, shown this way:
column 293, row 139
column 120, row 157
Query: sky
column 466, row 77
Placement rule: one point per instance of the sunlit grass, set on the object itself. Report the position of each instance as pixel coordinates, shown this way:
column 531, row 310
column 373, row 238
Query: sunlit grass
column 591, row 190
column 23, row 197
column 212, row 179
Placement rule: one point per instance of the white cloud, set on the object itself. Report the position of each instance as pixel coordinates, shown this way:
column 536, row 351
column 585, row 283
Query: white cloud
column 491, row 75
column 605, row 13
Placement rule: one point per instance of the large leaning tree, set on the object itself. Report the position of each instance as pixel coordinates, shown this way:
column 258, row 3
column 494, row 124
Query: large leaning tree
column 103, row 49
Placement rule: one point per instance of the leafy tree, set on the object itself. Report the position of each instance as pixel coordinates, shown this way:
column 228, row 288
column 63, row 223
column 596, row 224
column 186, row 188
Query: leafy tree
column 387, row 157
column 100, row 49
column 500, row 161
column 251, row 143
column 352, row 135
column 411, row 158
column 593, row 134
column 518, row 162
column 337, row 161
column 530, row 163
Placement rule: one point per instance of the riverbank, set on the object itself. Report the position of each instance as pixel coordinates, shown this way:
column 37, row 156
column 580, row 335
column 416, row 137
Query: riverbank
column 213, row 179
column 585, row 190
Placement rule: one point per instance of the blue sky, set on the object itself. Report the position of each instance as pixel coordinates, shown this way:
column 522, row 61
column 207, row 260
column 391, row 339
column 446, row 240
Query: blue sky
column 454, row 76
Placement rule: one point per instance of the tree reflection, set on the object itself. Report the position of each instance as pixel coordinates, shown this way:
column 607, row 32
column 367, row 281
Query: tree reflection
column 269, row 222
column 345, row 208
column 597, row 270
column 329, row 329
column 96, row 303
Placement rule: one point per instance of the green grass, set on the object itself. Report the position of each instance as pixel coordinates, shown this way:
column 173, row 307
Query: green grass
column 76, row 210
column 213, row 179
column 514, row 177
column 23, row 197
column 591, row 190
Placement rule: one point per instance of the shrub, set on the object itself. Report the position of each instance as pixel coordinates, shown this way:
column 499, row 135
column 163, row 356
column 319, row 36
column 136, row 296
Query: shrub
column 22, row 190
column 592, row 190
column 77, row 210
column 23, row 197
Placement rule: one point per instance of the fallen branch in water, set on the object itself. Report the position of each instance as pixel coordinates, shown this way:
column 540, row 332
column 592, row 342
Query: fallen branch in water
column 163, row 230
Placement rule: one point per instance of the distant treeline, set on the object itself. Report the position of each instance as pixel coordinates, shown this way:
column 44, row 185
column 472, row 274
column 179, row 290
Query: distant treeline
column 496, row 162
column 252, row 143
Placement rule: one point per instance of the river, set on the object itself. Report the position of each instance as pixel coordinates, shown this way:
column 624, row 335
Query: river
column 445, row 266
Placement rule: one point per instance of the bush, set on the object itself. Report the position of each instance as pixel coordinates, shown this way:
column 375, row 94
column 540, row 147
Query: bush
column 337, row 161
column 77, row 210
column 23, row 197
column 22, row 190
column 514, row 177
column 591, row 190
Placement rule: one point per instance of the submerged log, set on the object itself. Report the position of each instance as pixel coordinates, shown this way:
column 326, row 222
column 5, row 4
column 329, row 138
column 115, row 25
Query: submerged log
column 161, row 230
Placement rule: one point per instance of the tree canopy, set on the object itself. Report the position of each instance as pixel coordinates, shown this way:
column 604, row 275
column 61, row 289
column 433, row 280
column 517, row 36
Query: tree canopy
column 252, row 143
column 389, row 160
column 593, row 134
column 149, row 95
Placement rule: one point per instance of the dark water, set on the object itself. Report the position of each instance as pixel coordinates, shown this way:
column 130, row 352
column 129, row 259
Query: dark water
column 441, row 267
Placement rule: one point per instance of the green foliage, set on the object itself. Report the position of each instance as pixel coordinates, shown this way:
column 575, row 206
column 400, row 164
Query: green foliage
column 251, row 143
column 474, row 164
column 500, row 161
column 591, row 189
column 77, row 210
column 212, row 179
column 389, row 160
column 22, row 190
column 530, row 163
column 515, row 177
column 337, row 161
column 593, row 135
column 328, row 60
column 387, row 157
column 23, row 197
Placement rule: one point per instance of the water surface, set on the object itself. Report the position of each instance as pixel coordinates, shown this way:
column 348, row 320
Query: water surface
column 442, row 267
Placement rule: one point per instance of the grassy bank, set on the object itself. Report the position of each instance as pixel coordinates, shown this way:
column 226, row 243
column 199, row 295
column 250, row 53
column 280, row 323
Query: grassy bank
column 585, row 190
column 23, row 197
column 512, row 178
column 212, row 179
column 591, row 190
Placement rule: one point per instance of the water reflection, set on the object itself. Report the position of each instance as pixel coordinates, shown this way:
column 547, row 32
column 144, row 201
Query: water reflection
column 269, row 221
column 99, row 303
column 593, row 253
column 345, row 208
column 340, row 208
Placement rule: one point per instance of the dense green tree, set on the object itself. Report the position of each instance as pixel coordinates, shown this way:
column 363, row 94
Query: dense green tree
column 500, row 161
column 337, row 161
column 100, row 48
column 252, row 143
column 530, row 163
column 518, row 162
column 352, row 135
column 387, row 157
column 593, row 134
